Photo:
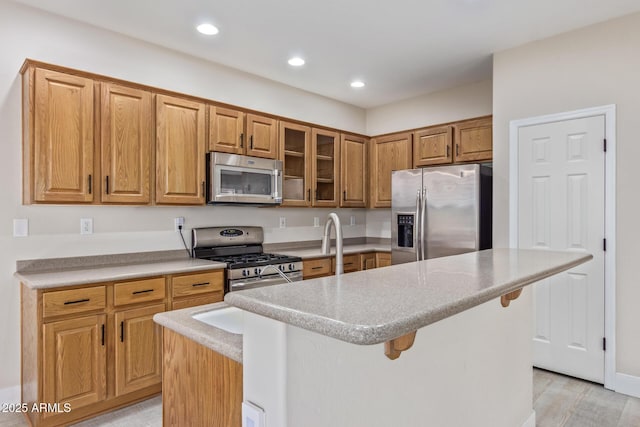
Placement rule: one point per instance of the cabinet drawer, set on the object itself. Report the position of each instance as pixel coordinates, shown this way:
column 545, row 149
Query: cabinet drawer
column 350, row 263
column 316, row 267
column 73, row 301
column 138, row 291
column 200, row 300
column 194, row 284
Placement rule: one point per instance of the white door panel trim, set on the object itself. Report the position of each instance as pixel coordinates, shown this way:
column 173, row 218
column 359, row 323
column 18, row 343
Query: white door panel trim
column 609, row 113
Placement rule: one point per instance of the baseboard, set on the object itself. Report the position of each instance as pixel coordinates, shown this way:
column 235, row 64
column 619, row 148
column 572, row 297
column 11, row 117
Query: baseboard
column 531, row 421
column 10, row 394
column 628, row 384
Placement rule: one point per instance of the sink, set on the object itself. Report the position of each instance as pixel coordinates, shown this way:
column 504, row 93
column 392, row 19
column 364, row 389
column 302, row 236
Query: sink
column 230, row 319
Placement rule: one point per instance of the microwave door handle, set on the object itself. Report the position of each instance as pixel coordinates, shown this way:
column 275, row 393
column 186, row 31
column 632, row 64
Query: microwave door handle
column 276, row 193
column 416, row 232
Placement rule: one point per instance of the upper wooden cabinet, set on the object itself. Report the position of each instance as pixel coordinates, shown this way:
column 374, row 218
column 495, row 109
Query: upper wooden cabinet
column 474, row 140
column 180, row 151
column 388, row 153
column 433, row 146
column 58, row 137
column 262, row 136
column 226, row 130
column 126, row 129
column 353, row 171
column 325, row 167
column 295, row 149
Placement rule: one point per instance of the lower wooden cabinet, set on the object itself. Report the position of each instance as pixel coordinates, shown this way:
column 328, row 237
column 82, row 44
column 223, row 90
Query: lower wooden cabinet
column 367, row 261
column 138, row 349
column 326, row 266
column 317, row 267
column 383, row 259
column 92, row 348
column 74, row 370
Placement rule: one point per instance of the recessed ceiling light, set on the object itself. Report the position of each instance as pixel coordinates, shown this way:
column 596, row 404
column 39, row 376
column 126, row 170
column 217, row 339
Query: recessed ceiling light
column 357, row 83
column 207, row 29
column 296, row 61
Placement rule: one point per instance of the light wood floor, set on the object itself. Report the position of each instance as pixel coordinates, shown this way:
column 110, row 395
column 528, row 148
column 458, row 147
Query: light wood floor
column 559, row 401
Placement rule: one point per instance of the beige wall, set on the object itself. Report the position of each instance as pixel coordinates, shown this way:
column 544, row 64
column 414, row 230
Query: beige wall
column 594, row 66
column 54, row 230
column 464, row 102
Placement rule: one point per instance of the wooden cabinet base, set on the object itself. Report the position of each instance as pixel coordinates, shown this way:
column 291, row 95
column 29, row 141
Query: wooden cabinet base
column 199, row 386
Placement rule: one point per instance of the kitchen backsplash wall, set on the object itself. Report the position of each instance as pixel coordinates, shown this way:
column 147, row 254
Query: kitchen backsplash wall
column 379, row 223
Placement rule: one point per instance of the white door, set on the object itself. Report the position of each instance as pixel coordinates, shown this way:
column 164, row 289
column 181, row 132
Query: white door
column 561, row 205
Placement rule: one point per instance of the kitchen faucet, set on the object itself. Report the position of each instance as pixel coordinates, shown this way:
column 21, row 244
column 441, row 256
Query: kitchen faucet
column 276, row 269
column 334, row 219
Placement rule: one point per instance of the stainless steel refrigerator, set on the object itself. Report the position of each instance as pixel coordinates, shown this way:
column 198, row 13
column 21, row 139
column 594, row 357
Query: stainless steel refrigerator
column 440, row 211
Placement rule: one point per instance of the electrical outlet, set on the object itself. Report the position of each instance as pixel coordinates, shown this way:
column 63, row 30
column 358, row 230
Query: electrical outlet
column 178, row 222
column 352, row 220
column 283, row 222
column 86, row 225
column 20, row 227
column 316, row 221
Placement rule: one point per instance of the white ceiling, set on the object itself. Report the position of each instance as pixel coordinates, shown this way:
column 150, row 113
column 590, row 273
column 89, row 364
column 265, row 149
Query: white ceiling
column 400, row 48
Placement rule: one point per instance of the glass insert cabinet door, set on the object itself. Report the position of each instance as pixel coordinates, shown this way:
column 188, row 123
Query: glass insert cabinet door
column 295, row 148
column 325, row 167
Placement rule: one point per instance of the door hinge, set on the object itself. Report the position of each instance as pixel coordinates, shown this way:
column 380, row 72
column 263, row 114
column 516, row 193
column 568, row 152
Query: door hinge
column 604, row 344
column 605, row 145
column 604, row 245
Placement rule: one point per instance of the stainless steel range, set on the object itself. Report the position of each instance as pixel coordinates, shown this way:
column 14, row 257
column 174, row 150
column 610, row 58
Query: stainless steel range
column 241, row 249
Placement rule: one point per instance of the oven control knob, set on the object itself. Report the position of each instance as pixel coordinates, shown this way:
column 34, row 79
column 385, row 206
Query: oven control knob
column 290, row 267
column 281, row 267
column 255, row 271
column 245, row 273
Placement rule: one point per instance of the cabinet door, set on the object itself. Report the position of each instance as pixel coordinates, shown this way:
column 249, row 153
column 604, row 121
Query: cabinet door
column 474, row 140
column 353, row 171
column 295, row 151
column 367, row 261
column 126, row 129
column 262, row 135
column 388, row 153
column 325, row 168
column 138, row 353
column 180, row 151
column 74, row 361
column 226, row 130
column 383, row 259
column 63, row 143
column 317, row 267
column 432, row 146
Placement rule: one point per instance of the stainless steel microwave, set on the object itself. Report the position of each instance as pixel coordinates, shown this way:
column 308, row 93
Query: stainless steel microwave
column 233, row 178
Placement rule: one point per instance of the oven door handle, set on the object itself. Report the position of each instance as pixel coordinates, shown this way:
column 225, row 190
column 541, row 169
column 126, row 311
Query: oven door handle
column 264, row 281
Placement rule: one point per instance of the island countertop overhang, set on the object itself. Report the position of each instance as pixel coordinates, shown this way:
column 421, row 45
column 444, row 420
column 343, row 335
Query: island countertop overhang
column 374, row 306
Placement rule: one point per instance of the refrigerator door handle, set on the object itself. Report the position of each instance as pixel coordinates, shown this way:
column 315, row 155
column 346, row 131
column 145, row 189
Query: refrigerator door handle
column 423, row 218
column 416, row 240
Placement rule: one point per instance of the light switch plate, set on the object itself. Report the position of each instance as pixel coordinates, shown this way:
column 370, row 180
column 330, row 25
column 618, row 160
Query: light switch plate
column 352, row 220
column 252, row 415
column 20, row 227
column 283, row 222
column 86, row 225
column 316, row 221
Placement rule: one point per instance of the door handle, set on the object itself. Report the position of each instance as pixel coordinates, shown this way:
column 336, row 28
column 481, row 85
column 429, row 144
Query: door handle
column 416, row 240
column 423, row 224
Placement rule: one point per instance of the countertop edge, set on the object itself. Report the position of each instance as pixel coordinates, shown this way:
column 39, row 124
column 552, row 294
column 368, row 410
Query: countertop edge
column 370, row 335
column 218, row 340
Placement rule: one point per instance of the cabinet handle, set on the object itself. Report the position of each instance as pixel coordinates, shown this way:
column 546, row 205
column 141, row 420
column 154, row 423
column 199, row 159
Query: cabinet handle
column 316, row 268
column 344, row 195
column 122, row 331
column 200, row 284
column 203, row 188
column 106, row 184
column 142, row 292
column 316, row 194
column 457, row 149
column 242, row 140
column 448, row 149
column 308, row 194
column 90, row 189
column 103, row 334
column 348, row 263
column 251, row 142
column 78, row 301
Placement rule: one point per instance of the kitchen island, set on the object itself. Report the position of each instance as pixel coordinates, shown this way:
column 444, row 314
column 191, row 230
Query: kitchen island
column 313, row 352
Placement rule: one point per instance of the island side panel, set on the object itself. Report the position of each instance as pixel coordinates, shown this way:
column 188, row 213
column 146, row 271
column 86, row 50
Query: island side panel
column 199, row 387
column 471, row 369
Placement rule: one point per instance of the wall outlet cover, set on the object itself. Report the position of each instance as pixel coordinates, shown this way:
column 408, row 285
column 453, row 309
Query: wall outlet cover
column 178, row 222
column 252, row 415
column 86, row 225
column 316, row 221
column 20, row 227
column 352, row 220
column 283, row 222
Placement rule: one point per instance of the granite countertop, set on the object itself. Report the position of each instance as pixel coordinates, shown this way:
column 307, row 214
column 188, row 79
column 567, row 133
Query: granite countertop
column 111, row 272
column 218, row 340
column 308, row 253
column 374, row 306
